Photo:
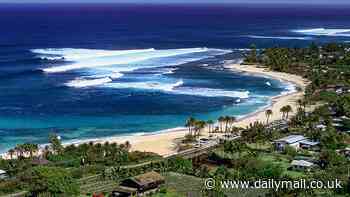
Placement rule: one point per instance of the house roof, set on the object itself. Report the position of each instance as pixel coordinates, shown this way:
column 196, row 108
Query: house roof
column 302, row 163
column 291, row 139
column 148, row 178
column 2, row 171
column 321, row 126
column 308, row 142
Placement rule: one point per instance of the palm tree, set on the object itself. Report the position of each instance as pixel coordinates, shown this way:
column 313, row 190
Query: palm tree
column 106, row 149
column 221, row 119
column 210, row 124
column 232, row 120
column 268, row 114
column 227, row 120
column 283, row 111
column 127, row 145
column 19, row 151
column 11, row 153
column 32, row 148
column 288, row 110
column 199, row 125
column 301, row 103
column 190, row 123
column 46, row 151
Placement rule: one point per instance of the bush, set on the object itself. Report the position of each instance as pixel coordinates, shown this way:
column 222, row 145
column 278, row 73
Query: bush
column 54, row 180
column 288, row 150
column 10, row 186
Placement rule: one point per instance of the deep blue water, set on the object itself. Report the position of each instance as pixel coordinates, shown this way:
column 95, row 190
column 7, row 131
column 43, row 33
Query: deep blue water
column 87, row 71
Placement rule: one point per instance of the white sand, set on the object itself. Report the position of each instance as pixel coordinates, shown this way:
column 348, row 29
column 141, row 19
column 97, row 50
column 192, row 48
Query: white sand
column 163, row 143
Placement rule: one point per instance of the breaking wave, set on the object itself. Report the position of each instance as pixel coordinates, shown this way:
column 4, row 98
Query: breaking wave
column 93, row 58
column 104, row 66
column 81, row 82
column 150, row 85
column 209, row 92
column 324, row 32
column 280, row 37
column 177, row 88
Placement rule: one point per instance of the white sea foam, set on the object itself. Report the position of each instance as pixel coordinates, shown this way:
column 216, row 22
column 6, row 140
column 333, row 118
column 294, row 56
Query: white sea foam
column 209, row 92
column 82, row 82
column 324, row 32
column 279, row 37
column 169, row 71
column 106, row 65
column 90, row 58
column 72, row 54
column 243, row 49
column 289, row 88
column 150, row 85
column 177, row 88
column 51, row 58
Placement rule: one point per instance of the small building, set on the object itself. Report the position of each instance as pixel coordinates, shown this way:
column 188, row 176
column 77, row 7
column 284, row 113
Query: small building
column 322, row 127
column 139, row 185
column 3, row 174
column 296, row 141
column 345, row 118
column 302, row 165
column 345, row 152
column 291, row 140
column 309, row 145
column 337, row 125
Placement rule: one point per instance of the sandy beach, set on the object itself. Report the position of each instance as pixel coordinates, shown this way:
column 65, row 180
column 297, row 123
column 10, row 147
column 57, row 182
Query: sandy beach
column 163, row 144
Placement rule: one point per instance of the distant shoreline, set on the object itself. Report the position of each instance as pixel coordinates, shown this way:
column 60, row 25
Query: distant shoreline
column 162, row 142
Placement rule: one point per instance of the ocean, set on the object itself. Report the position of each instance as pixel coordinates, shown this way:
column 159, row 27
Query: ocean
column 98, row 70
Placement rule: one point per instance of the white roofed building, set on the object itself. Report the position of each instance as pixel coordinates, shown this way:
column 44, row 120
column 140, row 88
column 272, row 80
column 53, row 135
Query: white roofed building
column 296, row 141
column 302, row 165
column 3, row 174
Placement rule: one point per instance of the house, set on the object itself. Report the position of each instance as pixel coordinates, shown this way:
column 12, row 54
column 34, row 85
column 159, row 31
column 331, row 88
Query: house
column 139, row 185
column 337, row 125
column 309, row 145
column 291, row 140
column 322, row 127
column 345, row 152
column 296, row 141
column 3, row 174
column 302, row 165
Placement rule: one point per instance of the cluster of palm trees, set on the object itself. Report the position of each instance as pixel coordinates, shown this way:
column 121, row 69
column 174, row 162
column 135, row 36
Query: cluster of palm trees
column 195, row 127
column 285, row 110
column 22, row 150
column 97, row 152
column 226, row 123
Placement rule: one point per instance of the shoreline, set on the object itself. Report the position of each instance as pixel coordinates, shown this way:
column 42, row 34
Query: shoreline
column 162, row 142
column 276, row 101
